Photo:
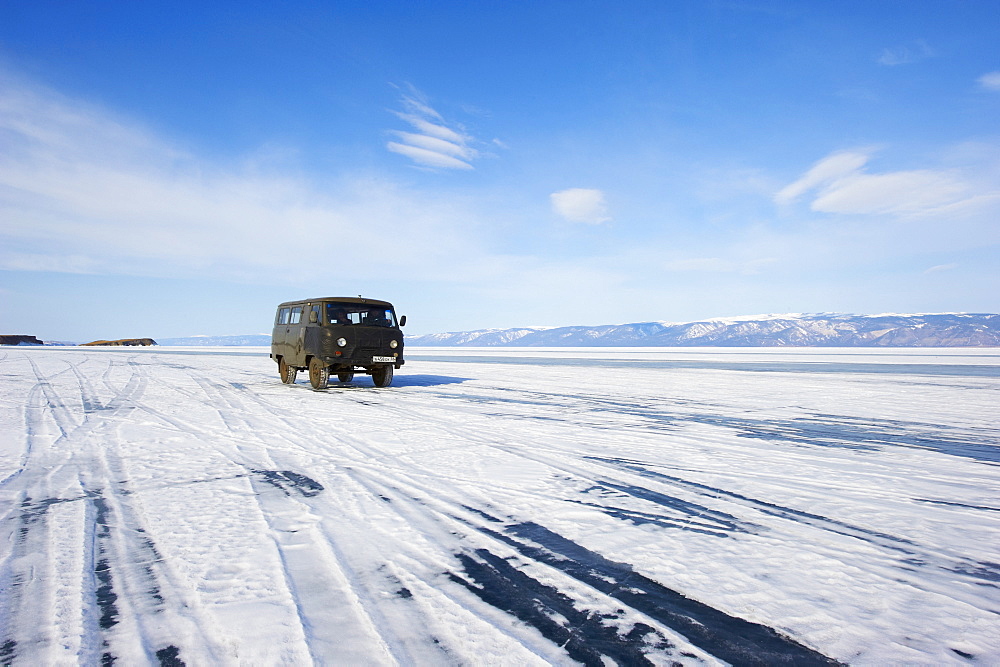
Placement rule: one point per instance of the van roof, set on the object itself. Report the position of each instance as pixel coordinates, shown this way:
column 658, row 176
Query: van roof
column 342, row 299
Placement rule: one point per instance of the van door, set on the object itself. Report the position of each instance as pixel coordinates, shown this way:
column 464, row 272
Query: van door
column 279, row 341
column 294, row 335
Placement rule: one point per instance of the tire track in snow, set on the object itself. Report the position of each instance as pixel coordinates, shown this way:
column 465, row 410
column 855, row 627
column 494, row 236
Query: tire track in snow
column 920, row 566
column 399, row 621
column 910, row 555
column 117, row 553
column 372, row 459
column 27, row 574
column 601, row 633
column 447, row 522
column 587, row 635
column 905, row 555
column 816, row 430
column 126, row 558
column 335, row 606
column 598, row 609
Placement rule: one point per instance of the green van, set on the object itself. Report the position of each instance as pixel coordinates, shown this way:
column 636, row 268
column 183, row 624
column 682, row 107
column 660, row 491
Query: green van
column 340, row 335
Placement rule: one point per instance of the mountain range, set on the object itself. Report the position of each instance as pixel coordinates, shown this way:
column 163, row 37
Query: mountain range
column 792, row 330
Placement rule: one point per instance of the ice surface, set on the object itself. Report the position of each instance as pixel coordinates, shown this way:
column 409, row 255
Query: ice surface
column 514, row 506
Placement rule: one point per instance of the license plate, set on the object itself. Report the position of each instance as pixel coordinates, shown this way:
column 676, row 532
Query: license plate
column 383, row 360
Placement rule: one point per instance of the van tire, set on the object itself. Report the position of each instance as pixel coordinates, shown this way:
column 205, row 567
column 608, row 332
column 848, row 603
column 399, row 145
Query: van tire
column 382, row 376
column 319, row 373
column 345, row 376
column 287, row 372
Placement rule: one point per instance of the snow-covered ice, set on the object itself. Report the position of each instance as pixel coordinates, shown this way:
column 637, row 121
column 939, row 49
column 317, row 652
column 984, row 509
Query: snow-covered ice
column 501, row 506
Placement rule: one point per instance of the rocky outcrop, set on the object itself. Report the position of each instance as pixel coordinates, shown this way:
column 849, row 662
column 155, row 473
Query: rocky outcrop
column 131, row 342
column 19, row 340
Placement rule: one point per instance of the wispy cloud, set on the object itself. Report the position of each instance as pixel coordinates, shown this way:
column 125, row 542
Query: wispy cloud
column 580, row 205
column 828, row 170
column 427, row 157
column 940, row 267
column 990, row 81
column 85, row 191
column 841, row 185
column 906, row 55
column 434, row 143
column 718, row 265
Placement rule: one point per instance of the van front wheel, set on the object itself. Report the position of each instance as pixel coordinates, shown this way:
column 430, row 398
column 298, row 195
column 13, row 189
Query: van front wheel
column 382, row 376
column 319, row 374
column 287, row 372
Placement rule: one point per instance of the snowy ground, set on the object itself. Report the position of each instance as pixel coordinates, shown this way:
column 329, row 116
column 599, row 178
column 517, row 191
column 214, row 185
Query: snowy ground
column 501, row 507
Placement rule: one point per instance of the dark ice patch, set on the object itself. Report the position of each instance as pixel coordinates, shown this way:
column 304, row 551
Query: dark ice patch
column 170, row 657
column 7, row 651
column 646, row 518
column 582, row 633
column 989, row 572
column 728, row 638
column 106, row 596
column 289, row 481
column 772, row 509
column 873, row 434
column 688, row 515
column 488, row 517
column 816, row 430
column 985, row 508
column 105, row 592
column 911, row 558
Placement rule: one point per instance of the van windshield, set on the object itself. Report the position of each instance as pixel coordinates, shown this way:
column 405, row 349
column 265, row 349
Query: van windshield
column 359, row 314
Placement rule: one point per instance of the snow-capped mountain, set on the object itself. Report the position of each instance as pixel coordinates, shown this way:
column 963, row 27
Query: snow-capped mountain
column 821, row 330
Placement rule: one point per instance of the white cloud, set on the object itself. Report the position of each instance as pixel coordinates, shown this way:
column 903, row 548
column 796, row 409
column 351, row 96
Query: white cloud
column 941, row 267
column 901, row 192
column 580, row 205
column 990, row 81
column 433, row 129
column 842, row 186
column 829, row 169
column 435, row 144
column 82, row 191
column 428, row 156
column 718, row 265
column 906, row 55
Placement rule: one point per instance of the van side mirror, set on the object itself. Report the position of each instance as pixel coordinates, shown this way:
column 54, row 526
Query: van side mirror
column 313, row 317
column 402, row 321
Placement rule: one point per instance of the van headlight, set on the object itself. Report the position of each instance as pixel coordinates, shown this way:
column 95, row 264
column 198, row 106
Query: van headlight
column 394, row 344
column 341, row 342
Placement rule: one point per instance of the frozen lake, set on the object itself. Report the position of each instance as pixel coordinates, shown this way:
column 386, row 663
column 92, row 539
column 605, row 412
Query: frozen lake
column 502, row 506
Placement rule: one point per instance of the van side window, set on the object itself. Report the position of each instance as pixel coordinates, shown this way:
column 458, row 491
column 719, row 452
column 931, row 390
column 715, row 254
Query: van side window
column 283, row 316
column 296, row 315
column 319, row 315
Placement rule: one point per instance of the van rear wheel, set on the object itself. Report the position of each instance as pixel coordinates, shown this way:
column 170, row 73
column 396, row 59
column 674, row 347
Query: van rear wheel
column 345, row 376
column 319, row 373
column 287, row 372
column 382, row 376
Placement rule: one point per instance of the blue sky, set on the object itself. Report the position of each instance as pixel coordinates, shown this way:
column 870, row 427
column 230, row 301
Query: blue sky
column 170, row 169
